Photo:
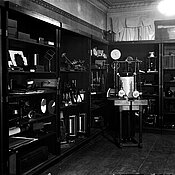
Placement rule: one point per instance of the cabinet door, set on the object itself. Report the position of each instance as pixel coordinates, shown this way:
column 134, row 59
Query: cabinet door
column 74, row 88
column 99, row 82
column 168, row 65
column 31, row 90
column 99, row 66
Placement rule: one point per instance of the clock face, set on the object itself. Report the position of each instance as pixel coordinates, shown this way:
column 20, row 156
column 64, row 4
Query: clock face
column 115, row 54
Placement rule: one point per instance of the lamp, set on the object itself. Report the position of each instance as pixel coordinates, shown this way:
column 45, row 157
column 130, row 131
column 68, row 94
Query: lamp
column 166, row 7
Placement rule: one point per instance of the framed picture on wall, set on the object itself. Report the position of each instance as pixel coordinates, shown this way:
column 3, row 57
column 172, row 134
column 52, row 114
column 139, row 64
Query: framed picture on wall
column 17, row 58
column 164, row 29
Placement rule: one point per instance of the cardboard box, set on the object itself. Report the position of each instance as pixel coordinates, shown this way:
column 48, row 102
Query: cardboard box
column 24, row 36
column 12, row 32
column 12, row 23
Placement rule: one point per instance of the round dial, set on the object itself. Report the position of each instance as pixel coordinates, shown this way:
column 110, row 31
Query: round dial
column 121, row 93
column 115, row 54
column 136, row 94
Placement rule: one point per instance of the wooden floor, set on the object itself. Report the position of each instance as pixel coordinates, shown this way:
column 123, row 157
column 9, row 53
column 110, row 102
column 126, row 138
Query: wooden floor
column 102, row 157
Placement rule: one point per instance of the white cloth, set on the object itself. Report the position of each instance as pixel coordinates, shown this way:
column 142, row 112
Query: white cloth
column 133, row 28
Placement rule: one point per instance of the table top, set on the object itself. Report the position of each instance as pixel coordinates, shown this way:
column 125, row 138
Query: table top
column 126, row 102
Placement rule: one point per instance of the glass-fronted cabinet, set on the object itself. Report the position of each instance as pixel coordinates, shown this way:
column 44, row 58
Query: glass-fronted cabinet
column 99, row 78
column 168, row 82
column 74, row 88
column 30, row 90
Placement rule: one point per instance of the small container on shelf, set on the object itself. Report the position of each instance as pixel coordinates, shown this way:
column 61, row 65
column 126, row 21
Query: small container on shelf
column 152, row 62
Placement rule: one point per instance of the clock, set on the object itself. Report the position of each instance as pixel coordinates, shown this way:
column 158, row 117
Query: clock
column 115, row 54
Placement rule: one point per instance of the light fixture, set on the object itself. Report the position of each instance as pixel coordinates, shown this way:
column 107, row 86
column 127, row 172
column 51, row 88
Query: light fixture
column 166, row 7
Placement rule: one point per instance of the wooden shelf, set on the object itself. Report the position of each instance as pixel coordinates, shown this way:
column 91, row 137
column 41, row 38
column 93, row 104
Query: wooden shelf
column 150, row 85
column 38, row 118
column 72, row 106
column 19, row 94
column 21, row 42
column 169, row 98
column 169, row 113
column 73, row 71
column 28, row 72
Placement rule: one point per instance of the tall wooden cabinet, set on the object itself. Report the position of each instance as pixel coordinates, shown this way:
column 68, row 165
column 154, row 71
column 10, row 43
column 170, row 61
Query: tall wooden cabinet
column 168, row 84
column 74, row 90
column 3, row 123
column 30, row 90
column 99, row 82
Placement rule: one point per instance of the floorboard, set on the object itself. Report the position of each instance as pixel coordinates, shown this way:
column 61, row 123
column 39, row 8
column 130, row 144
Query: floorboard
column 102, row 157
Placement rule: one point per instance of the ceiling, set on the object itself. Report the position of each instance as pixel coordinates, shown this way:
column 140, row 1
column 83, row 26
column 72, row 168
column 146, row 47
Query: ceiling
column 127, row 3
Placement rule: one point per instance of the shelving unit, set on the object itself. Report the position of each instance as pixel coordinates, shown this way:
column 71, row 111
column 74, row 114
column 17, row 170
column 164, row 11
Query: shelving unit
column 99, row 71
column 168, row 82
column 30, row 70
column 74, row 89
column 150, row 90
